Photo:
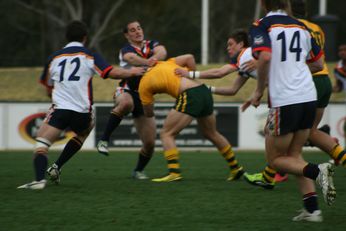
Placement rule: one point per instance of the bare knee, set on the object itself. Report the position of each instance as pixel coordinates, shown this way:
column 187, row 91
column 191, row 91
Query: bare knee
column 42, row 146
column 123, row 106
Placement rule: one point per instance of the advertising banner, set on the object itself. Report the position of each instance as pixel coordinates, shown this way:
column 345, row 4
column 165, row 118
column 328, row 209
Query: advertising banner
column 126, row 136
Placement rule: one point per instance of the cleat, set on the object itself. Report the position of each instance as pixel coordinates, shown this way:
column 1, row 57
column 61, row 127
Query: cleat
column 168, row 178
column 102, row 147
column 35, row 185
column 54, row 173
column 235, row 174
column 325, row 181
column 140, row 175
column 304, row 215
column 258, row 180
column 280, row 178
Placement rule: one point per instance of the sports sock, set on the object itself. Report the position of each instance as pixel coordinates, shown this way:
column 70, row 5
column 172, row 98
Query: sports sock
column 311, row 171
column 172, row 157
column 113, row 122
column 71, row 148
column 229, row 156
column 143, row 160
column 310, row 202
column 339, row 155
column 40, row 165
column 269, row 174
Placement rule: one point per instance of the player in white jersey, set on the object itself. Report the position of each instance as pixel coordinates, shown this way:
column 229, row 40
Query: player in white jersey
column 283, row 47
column 69, row 73
column 241, row 61
column 340, row 70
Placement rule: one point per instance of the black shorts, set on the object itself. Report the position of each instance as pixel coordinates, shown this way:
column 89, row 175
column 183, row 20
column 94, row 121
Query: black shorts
column 291, row 118
column 138, row 108
column 63, row 119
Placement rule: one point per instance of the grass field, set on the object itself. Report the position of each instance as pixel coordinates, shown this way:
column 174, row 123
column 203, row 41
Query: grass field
column 97, row 193
column 21, row 84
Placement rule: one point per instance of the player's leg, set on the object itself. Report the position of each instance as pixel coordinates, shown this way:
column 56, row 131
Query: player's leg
column 122, row 106
column 174, row 123
column 146, row 129
column 46, row 136
column 81, row 124
column 207, row 126
column 317, row 137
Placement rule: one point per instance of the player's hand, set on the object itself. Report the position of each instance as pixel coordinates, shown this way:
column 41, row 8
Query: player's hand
column 181, row 72
column 249, row 66
column 152, row 62
column 137, row 71
column 254, row 100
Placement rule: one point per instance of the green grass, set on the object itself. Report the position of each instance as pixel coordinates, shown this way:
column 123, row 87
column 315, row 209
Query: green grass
column 97, row 193
column 21, row 84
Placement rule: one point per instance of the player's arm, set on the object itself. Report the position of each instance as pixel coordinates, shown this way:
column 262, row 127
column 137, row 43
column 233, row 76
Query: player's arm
column 317, row 65
column 213, row 73
column 232, row 90
column 121, row 73
column 187, row 61
column 135, row 60
column 160, row 53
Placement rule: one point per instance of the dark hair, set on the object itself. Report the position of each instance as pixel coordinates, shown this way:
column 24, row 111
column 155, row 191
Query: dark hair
column 240, row 35
column 298, row 8
column 76, row 31
column 273, row 5
column 126, row 29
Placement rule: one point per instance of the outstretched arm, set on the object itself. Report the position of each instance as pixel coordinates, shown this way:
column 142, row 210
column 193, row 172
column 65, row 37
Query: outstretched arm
column 121, row 73
column 213, row 73
column 232, row 90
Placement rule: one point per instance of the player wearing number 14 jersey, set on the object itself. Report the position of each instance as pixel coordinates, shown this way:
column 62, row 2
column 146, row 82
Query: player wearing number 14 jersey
column 69, row 73
column 287, row 54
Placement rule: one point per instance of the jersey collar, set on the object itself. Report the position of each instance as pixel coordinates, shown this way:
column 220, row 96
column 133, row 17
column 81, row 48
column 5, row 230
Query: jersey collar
column 278, row 12
column 74, row 44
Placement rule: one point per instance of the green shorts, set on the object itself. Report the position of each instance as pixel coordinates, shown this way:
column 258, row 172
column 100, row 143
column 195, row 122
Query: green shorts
column 196, row 102
column 324, row 90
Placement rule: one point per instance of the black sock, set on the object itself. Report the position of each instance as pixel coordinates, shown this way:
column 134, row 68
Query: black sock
column 310, row 202
column 143, row 160
column 311, row 171
column 71, row 148
column 40, row 166
column 113, row 122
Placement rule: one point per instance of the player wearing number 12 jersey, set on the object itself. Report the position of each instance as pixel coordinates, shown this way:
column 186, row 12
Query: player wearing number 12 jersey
column 69, row 73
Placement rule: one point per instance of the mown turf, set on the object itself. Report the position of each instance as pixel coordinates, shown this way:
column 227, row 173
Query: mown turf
column 98, row 193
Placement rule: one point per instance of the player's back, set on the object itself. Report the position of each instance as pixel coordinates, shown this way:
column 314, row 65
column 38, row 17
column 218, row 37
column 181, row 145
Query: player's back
column 162, row 79
column 290, row 44
column 71, row 69
column 318, row 34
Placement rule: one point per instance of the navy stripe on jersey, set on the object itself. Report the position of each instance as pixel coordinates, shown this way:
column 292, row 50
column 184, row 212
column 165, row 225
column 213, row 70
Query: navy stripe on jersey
column 99, row 62
column 146, row 52
column 260, row 39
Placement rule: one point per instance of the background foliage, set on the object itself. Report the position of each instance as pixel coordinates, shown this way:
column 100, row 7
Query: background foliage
column 32, row 29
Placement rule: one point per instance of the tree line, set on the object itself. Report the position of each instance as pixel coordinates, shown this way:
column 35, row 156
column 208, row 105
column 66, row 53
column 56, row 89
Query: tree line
column 33, row 29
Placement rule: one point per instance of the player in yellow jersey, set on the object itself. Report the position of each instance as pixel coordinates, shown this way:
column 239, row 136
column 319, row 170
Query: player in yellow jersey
column 193, row 100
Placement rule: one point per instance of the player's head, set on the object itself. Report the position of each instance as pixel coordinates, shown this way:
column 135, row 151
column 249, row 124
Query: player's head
column 298, row 8
column 238, row 40
column 342, row 51
column 274, row 5
column 133, row 32
column 76, row 31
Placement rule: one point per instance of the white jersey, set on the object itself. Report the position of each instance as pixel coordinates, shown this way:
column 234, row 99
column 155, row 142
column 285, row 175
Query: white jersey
column 291, row 46
column 340, row 74
column 239, row 61
column 71, row 70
